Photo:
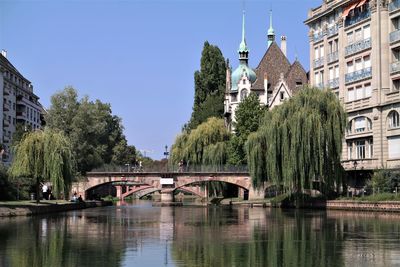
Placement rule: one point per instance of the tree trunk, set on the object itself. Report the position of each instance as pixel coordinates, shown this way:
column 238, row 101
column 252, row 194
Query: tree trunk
column 37, row 190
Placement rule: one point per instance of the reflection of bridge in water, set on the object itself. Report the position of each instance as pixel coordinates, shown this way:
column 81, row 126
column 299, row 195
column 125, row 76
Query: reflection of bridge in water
column 167, row 183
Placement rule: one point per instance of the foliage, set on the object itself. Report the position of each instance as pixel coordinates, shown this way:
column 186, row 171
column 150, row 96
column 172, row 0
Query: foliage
column 45, row 156
column 203, row 145
column 209, row 86
column 248, row 116
column 299, row 142
column 385, row 180
column 20, row 131
column 96, row 135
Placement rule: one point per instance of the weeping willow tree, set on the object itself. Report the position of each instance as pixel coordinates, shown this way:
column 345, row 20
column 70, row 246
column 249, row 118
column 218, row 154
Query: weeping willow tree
column 45, row 156
column 299, row 142
column 203, row 145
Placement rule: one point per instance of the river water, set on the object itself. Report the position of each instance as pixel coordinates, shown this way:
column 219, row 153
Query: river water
column 139, row 234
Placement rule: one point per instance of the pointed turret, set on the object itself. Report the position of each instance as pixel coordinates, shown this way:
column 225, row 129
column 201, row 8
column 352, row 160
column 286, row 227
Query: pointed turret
column 243, row 49
column 271, row 31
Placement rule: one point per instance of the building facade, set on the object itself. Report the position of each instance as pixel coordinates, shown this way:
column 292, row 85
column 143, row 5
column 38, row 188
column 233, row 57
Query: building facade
column 355, row 51
column 20, row 104
column 274, row 80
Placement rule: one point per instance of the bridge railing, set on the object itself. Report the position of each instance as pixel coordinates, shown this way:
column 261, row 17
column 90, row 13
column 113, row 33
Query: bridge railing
column 177, row 169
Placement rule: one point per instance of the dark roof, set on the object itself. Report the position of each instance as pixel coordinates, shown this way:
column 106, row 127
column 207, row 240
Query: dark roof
column 273, row 63
column 296, row 74
column 7, row 64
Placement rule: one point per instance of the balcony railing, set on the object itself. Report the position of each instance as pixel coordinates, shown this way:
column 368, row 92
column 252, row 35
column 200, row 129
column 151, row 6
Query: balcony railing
column 6, row 107
column 395, row 67
column 394, row 36
column 358, row 75
column 358, row 46
column 333, row 83
column 21, row 114
column 394, row 5
column 334, row 56
column 357, row 18
column 332, row 30
column 318, row 36
column 318, row 62
column 320, row 85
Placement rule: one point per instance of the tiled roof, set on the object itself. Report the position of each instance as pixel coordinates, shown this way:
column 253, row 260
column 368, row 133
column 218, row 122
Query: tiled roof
column 7, row 64
column 273, row 63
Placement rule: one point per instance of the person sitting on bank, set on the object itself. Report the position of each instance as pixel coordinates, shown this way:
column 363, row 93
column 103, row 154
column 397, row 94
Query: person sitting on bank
column 80, row 200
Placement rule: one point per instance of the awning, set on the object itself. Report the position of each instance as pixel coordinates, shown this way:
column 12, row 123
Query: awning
column 362, row 2
column 349, row 8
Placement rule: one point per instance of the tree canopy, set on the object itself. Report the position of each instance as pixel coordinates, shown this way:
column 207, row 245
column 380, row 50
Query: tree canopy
column 299, row 142
column 204, row 145
column 95, row 133
column 248, row 116
column 209, row 86
column 45, row 156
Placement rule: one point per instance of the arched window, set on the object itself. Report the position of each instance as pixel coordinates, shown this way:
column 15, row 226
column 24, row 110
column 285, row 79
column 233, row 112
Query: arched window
column 243, row 94
column 361, row 124
column 394, row 119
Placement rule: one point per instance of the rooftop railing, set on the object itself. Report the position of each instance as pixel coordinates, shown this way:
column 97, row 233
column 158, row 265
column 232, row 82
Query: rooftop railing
column 394, row 5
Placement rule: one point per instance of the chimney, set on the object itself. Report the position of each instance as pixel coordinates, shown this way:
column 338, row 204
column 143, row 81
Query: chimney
column 283, row 44
column 4, row 53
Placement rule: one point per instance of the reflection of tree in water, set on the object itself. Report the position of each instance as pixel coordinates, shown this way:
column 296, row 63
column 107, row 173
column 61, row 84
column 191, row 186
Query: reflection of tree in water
column 50, row 242
column 279, row 239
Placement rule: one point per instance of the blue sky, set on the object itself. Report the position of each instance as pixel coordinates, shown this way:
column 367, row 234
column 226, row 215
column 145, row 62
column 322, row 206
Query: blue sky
column 140, row 56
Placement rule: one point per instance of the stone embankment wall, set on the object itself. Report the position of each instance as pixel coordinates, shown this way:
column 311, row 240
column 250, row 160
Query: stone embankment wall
column 363, row 205
column 28, row 210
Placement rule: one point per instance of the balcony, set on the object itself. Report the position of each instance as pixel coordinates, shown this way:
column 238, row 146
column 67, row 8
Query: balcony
column 394, row 36
column 394, row 5
column 357, row 47
column 318, row 36
column 357, row 18
column 332, row 30
column 21, row 115
column 358, row 75
column 333, row 83
column 6, row 123
column 318, row 62
column 6, row 107
column 394, row 67
column 332, row 57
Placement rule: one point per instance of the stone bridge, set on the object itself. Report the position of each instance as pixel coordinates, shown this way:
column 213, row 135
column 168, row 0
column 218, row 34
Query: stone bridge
column 166, row 183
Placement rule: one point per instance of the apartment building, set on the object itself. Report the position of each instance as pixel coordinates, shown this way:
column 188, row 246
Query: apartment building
column 20, row 104
column 355, row 51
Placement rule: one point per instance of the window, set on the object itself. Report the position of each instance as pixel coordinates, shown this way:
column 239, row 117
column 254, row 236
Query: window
column 371, row 148
column 243, row 94
column 358, row 35
column 359, row 92
column 282, row 95
column 350, row 94
column 336, row 71
column 367, row 62
column 331, row 73
column 244, row 81
column 349, row 150
column 367, row 32
column 396, row 85
column 316, row 75
column 368, row 90
column 322, row 52
column 394, row 147
column 316, row 54
column 233, row 98
column 350, row 37
column 350, row 68
column 360, row 147
column 359, row 64
column 360, row 124
column 394, row 120
column 350, row 127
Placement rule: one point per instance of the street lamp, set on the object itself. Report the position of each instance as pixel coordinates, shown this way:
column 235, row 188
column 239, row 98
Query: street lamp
column 355, row 163
column 166, row 153
column 128, row 165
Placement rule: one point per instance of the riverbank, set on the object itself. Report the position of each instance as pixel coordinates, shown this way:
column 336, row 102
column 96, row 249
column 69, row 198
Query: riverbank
column 29, row 208
column 355, row 205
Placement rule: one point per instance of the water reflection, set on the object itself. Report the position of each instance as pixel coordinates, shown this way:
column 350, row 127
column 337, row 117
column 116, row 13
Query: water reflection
column 198, row 236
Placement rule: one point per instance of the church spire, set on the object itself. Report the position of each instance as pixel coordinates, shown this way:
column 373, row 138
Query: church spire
column 271, row 31
column 243, row 49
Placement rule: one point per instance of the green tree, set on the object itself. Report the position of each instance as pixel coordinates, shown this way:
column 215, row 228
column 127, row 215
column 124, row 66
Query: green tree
column 96, row 135
column 300, row 142
column 248, row 116
column 209, row 86
column 45, row 156
column 204, row 145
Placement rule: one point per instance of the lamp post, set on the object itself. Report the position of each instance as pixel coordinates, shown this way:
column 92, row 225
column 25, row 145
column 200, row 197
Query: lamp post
column 166, row 153
column 128, row 165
